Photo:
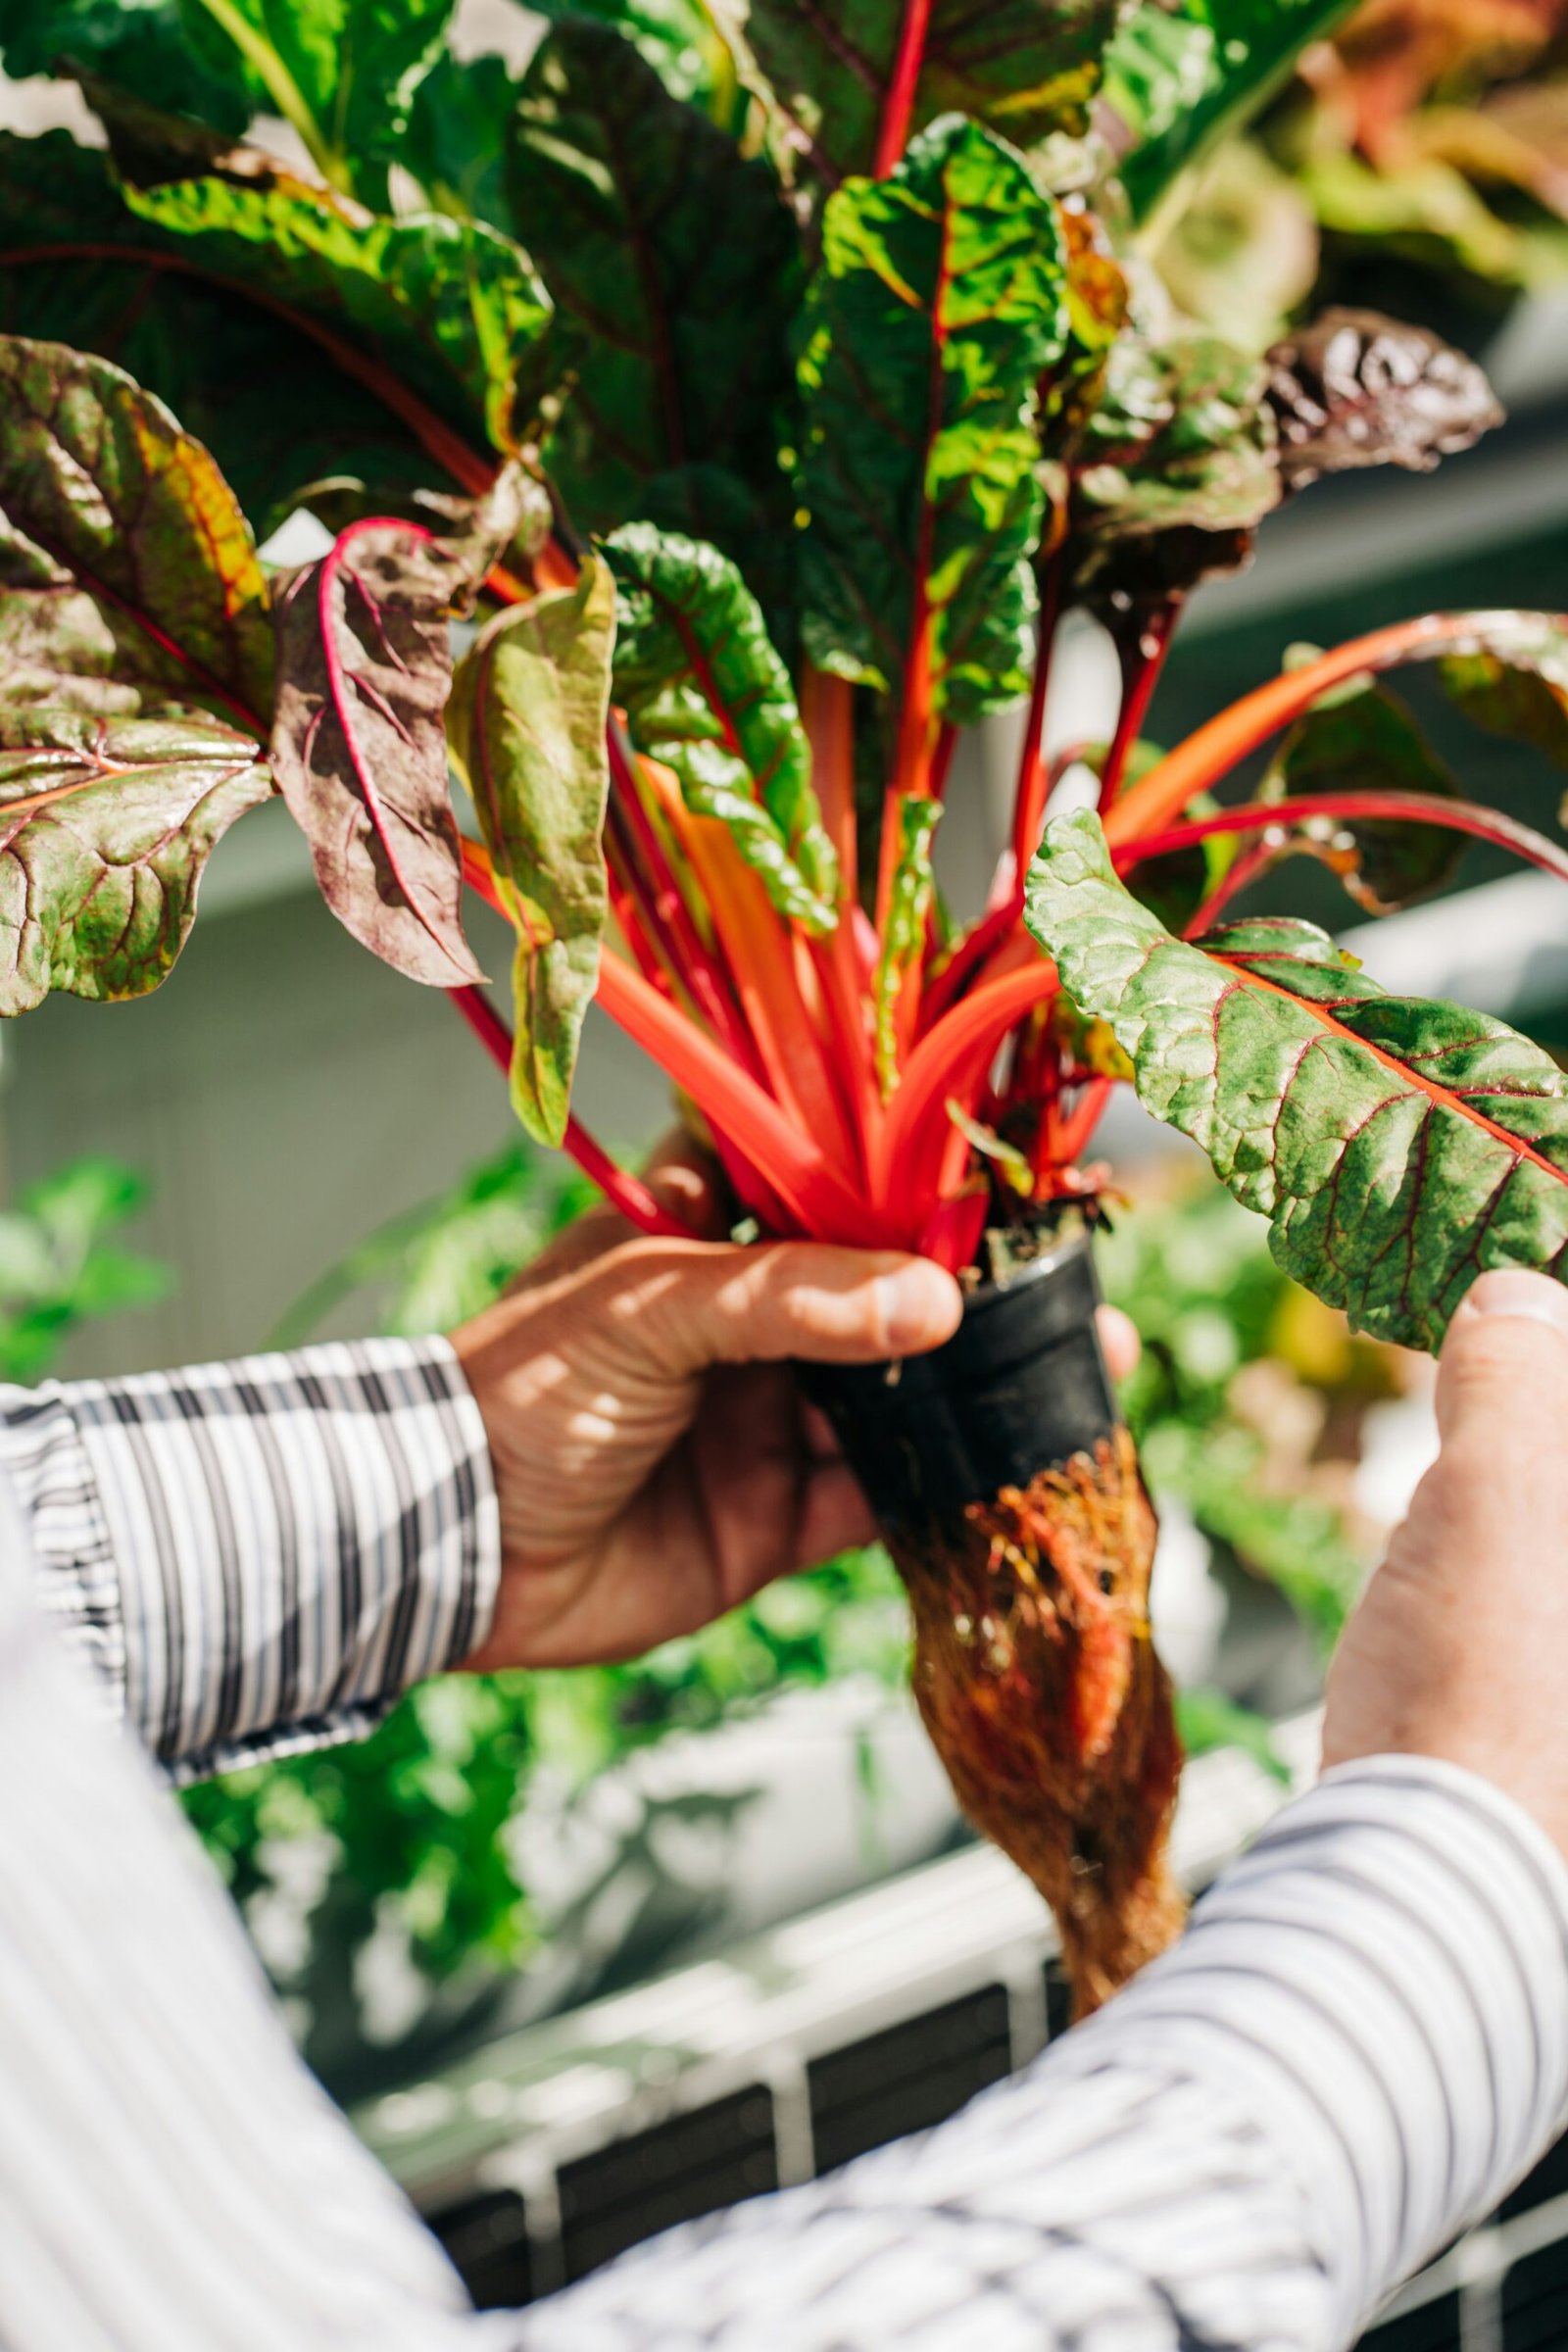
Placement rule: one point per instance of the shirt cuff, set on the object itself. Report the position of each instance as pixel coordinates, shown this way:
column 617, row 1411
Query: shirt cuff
column 261, row 1556
column 1381, row 1987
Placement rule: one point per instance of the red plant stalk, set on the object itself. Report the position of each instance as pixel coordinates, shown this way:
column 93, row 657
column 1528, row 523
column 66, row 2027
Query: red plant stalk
column 626, row 1193
column 1140, row 665
column 897, row 108
column 1209, row 753
column 1033, row 785
column 1399, row 807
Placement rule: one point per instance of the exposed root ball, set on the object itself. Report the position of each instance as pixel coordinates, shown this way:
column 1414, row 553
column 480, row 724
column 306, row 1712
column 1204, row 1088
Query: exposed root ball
column 1040, row 1691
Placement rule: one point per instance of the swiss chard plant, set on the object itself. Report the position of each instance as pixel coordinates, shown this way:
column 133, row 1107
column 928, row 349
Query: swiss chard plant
column 765, row 395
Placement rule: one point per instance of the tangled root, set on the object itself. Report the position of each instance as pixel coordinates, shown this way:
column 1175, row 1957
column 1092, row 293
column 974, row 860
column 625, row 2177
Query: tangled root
column 1039, row 1686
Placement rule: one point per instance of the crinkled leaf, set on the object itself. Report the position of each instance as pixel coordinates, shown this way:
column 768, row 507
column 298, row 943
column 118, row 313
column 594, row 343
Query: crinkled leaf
column 359, row 745
column 1354, row 389
column 671, row 261
column 1513, row 678
column 1365, row 739
column 1177, row 78
column 450, row 309
column 342, row 73
column 275, row 409
column 127, row 572
column 936, row 309
column 527, row 733
column 1398, row 1146
column 903, row 934
column 143, row 47
column 1024, row 66
column 705, row 693
column 105, row 826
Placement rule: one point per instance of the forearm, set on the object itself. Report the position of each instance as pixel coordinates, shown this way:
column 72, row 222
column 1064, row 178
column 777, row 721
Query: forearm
column 1357, row 2047
column 259, row 1555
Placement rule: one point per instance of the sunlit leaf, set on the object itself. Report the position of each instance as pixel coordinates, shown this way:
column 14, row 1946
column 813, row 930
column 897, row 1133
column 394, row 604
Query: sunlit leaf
column 938, row 304
column 450, row 306
column 456, row 140
column 705, row 693
column 273, row 408
column 1354, row 388
column 146, row 48
column 680, row 40
column 106, row 824
column 527, row 729
column 1023, row 66
column 127, row 572
column 341, row 72
column 359, row 744
column 670, row 259
column 1398, row 1146
column 1178, row 77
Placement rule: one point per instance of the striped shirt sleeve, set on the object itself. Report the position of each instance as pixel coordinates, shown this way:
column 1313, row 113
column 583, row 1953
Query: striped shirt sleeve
column 260, row 1555
column 1357, row 2049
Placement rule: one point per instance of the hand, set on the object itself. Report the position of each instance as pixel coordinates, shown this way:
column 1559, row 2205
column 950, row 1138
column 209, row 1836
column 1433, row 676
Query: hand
column 1459, row 1647
column 654, row 1459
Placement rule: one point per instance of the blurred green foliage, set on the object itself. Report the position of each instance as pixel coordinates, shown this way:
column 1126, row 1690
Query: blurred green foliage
column 59, row 1268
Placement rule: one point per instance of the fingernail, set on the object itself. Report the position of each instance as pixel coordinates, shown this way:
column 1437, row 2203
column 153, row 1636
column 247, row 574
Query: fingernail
column 920, row 1305
column 1512, row 1291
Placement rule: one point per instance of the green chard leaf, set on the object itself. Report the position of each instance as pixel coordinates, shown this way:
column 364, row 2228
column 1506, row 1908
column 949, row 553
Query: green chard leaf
column 903, row 939
column 704, row 692
column 680, row 40
column 145, row 48
column 275, row 410
column 1177, row 78
column 106, row 824
column 1022, row 66
column 359, row 742
column 526, row 726
column 449, row 308
column 671, row 261
column 341, row 72
column 1398, row 1146
column 938, row 304
column 1362, row 737
column 129, row 577
column 456, row 137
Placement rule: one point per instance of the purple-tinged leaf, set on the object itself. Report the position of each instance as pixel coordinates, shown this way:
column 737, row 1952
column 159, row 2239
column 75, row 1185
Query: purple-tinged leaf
column 527, row 727
column 359, row 746
column 1398, row 1146
column 105, row 826
column 1354, row 389
column 129, row 577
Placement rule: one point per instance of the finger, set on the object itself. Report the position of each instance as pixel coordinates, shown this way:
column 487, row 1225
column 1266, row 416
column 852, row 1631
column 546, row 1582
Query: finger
column 1119, row 1341
column 696, row 1306
column 1504, row 1363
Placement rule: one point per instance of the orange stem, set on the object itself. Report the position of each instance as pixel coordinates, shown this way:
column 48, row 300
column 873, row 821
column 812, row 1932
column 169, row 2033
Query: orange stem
column 1211, row 753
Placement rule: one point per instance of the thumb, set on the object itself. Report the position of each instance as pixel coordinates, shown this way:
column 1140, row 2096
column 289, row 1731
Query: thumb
column 694, row 1307
column 1504, row 1371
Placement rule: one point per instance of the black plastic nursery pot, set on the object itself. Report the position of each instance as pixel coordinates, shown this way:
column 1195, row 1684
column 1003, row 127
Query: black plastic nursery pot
column 1021, row 1386
column 1009, row 1494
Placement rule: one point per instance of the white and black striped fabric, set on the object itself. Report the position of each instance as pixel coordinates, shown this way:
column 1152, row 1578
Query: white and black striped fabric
column 1361, row 2043
column 257, row 1556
